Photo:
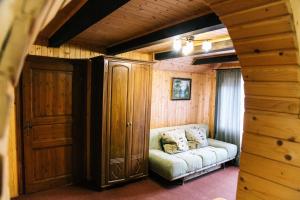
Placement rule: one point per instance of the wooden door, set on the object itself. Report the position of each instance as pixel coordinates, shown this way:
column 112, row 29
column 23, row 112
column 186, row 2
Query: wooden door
column 48, row 93
column 138, row 149
column 118, row 121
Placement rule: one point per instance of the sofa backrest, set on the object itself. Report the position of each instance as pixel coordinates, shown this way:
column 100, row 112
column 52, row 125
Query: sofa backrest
column 155, row 134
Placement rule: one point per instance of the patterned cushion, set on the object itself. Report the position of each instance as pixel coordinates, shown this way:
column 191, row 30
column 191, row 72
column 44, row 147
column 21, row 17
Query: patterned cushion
column 174, row 141
column 196, row 137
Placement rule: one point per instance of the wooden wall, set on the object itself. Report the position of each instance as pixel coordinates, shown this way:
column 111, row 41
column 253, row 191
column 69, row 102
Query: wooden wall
column 65, row 51
column 264, row 33
column 73, row 51
column 12, row 155
column 200, row 109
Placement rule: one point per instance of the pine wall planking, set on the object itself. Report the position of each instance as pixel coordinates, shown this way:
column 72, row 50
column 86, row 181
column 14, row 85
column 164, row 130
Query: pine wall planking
column 264, row 33
column 72, row 51
column 200, row 109
column 64, row 51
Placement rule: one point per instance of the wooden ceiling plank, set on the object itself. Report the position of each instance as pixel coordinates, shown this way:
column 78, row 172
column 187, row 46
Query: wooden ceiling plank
column 88, row 14
column 200, row 24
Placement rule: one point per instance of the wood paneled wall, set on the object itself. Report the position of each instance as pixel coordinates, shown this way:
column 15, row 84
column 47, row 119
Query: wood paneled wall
column 72, row 51
column 12, row 155
column 64, row 51
column 200, row 109
column 264, row 33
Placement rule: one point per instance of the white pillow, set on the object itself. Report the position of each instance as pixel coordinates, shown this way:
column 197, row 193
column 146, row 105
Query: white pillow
column 197, row 135
column 174, row 141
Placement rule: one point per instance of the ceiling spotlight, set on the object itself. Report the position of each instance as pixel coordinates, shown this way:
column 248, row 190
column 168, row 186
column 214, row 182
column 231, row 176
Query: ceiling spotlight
column 206, row 46
column 177, row 44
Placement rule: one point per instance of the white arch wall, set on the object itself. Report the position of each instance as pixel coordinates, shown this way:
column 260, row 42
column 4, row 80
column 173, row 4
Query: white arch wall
column 20, row 20
column 264, row 33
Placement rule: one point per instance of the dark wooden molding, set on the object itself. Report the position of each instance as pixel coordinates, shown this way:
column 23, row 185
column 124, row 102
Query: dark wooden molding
column 197, row 25
column 172, row 54
column 90, row 13
column 19, row 140
column 216, row 59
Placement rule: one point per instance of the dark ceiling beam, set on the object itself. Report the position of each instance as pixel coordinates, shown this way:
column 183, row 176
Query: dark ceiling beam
column 173, row 54
column 90, row 13
column 216, row 59
column 202, row 24
column 220, row 46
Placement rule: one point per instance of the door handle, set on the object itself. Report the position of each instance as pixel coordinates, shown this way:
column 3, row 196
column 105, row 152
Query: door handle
column 128, row 124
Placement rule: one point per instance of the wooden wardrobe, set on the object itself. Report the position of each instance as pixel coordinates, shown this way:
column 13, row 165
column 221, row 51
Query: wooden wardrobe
column 120, row 120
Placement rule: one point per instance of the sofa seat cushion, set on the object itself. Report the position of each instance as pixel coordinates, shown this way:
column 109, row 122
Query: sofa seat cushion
column 166, row 165
column 171, row 166
column 193, row 162
column 230, row 148
column 210, row 155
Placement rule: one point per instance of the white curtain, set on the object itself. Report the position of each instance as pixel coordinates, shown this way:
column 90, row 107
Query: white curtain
column 229, row 107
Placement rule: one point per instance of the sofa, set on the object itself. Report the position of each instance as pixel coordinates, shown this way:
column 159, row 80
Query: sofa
column 191, row 163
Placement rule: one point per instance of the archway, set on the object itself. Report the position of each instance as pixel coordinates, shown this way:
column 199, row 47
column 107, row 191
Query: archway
column 264, row 33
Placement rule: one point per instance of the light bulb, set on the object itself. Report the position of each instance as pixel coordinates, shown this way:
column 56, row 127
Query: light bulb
column 206, row 46
column 177, row 44
column 188, row 48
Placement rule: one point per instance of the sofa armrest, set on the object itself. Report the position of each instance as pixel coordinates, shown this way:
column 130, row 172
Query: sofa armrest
column 231, row 148
column 166, row 165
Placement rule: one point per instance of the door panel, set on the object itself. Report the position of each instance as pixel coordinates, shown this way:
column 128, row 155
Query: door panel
column 138, row 160
column 119, row 99
column 47, row 123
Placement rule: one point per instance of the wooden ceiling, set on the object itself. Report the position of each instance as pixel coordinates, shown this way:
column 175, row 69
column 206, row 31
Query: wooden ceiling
column 138, row 17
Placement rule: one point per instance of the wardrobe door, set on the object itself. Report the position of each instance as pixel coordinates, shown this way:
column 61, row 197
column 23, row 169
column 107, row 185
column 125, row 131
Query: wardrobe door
column 138, row 149
column 118, row 119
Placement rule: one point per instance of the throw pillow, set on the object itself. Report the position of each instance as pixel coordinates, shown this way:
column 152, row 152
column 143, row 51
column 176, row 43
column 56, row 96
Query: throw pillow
column 197, row 135
column 174, row 141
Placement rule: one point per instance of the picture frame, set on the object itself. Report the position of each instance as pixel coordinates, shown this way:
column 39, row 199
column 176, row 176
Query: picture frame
column 181, row 89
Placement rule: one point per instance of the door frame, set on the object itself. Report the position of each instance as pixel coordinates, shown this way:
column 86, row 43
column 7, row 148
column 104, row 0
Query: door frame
column 19, row 120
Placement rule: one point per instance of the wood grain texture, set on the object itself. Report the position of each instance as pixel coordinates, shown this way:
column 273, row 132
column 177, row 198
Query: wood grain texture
column 69, row 51
column 165, row 112
column 76, row 51
column 121, row 91
column 271, row 170
column 251, row 187
column 140, row 120
column 138, row 17
column 266, row 34
column 49, row 130
column 12, row 156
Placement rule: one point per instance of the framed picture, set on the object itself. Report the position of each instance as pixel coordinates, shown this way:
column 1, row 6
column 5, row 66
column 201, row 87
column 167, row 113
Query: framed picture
column 181, row 88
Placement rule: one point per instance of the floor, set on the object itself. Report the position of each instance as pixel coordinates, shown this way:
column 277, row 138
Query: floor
column 218, row 184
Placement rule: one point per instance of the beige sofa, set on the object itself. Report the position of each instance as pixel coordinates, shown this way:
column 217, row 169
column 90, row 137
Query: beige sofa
column 189, row 164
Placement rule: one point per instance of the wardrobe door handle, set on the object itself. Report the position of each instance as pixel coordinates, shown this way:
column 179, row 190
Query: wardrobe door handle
column 127, row 124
